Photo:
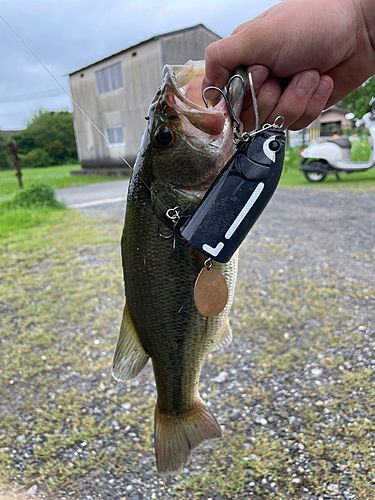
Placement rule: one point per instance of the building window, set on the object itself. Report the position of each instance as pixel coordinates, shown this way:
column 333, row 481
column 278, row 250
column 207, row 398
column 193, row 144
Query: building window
column 331, row 128
column 115, row 135
column 109, row 79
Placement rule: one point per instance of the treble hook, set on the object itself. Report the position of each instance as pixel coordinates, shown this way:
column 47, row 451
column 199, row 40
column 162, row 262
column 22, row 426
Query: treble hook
column 235, row 122
column 173, row 214
column 175, row 234
column 229, row 104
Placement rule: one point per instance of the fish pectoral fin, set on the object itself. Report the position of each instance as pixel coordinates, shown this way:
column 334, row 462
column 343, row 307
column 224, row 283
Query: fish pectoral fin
column 225, row 338
column 130, row 356
column 177, row 436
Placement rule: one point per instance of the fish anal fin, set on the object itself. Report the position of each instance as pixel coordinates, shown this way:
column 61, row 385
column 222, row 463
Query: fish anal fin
column 225, row 338
column 130, row 356
column 177, row 436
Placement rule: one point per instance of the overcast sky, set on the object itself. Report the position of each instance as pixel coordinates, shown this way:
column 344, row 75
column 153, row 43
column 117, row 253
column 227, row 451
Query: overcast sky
column 69, row 34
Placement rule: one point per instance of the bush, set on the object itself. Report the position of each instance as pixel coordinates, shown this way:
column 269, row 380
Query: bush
column 5, row 156
column 35, row 159
column 36, row 195
column 51, row 131
column 292, row 160
column 360, row 150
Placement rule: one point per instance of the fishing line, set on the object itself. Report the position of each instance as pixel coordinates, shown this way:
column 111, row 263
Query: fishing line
column 79, row 107
column 192, row 95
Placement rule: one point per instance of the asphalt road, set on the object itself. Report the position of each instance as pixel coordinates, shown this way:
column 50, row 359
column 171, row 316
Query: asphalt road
column 94, row 198
column 330, row 228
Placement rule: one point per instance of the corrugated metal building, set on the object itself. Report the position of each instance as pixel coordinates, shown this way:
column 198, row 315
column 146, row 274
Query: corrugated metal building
column 116, row 92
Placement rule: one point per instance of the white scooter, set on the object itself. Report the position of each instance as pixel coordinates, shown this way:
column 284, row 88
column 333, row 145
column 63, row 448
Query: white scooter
column 331, row 155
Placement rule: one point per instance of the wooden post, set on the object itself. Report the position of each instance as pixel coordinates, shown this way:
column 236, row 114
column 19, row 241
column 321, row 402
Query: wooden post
column 14, row 151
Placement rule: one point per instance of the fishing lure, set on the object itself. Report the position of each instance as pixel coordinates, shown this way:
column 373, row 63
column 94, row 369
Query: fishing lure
column 241, row 191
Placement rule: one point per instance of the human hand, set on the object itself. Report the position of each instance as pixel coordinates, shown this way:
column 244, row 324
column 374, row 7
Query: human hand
column 304, row 55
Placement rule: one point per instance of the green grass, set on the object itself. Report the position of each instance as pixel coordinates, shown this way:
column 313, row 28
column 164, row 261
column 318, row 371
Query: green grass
column 14, row 220
column 32, row 206
column 55, row 296
column 56, row 177
column 293, row 176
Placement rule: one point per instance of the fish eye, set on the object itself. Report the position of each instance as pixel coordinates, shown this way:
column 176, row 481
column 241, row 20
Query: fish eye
column 163, row 136
column 172, row 117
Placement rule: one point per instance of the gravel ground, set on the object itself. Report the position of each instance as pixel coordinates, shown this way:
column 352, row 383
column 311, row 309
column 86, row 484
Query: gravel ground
column 309, row 241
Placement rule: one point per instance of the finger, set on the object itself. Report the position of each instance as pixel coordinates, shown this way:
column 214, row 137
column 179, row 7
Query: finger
column 217, row 73
column 267, row 99
column 316, row 104
column 294, row 100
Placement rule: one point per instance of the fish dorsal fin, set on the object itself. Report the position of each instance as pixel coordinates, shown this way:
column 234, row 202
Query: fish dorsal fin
column 225, row 338
column 130, row 356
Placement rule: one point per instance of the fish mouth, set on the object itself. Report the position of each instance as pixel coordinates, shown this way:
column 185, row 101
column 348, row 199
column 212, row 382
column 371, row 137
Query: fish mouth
column 183, row 93
column 184, row 132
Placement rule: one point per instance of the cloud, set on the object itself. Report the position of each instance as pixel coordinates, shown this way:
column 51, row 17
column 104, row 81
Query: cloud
column 71, row 34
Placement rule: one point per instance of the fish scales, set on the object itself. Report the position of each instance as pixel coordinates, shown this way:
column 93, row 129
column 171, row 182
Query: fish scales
column 161, row 279
column 184, row 147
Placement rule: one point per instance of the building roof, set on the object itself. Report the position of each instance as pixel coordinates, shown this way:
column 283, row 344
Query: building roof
column 153, row 38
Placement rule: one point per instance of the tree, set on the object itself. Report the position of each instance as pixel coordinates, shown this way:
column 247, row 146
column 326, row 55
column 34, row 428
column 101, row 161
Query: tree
column 51, row 131
column 5, row 156
column 358, row 101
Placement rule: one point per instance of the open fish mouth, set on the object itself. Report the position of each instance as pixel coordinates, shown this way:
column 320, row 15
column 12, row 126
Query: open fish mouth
column 183, row 86
column 191, row 143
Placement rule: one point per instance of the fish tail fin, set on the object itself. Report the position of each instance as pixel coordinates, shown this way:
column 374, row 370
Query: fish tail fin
column 177, row 436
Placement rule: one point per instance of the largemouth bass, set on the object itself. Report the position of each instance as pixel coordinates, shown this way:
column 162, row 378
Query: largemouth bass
column 184, row 147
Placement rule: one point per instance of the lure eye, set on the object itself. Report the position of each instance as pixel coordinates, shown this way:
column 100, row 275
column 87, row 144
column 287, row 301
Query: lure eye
column 163, row 136
column 274, row 145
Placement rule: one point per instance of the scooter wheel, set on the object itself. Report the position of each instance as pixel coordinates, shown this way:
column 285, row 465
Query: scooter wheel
column 315, row 176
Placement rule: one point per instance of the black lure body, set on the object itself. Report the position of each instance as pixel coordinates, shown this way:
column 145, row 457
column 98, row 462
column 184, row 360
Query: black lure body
column 237, row 197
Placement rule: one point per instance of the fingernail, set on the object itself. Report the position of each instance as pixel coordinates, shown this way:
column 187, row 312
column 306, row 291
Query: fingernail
column 259, row 75
column 305, row 83
column 322, row 90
